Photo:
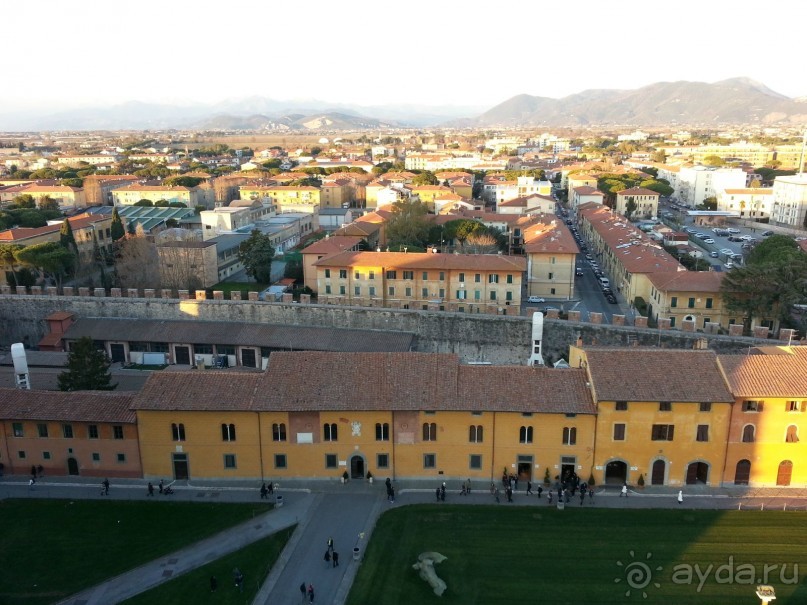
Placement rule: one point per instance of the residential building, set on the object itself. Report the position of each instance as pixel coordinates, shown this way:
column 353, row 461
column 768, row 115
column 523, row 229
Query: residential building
column 645, row 201
column 233, row 217
column 322, row 248
column 69, row 199
column 584, row 195
column 752, row 204
column 696, row 183
column 790, row 201
column 201, row 195
column 286, row 198
column 551, row 256
column 689, row 296
column 331, row 219
column 98, row 188
column 92, row 159
column 528, row 204
column 471, row 283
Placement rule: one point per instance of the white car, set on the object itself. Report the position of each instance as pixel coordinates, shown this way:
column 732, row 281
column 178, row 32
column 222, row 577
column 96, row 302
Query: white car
column 729, row 265
column 727, row 251
column 708, row 240
column 732, row 230
column 535, row 299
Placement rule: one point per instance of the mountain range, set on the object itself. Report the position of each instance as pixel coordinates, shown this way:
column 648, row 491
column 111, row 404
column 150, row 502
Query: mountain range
column 733, row 101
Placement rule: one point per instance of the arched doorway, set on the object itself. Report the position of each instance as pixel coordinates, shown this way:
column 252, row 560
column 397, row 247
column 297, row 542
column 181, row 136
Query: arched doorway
column 659, row 470
column 72, row 466
column 743, row 472
column 357, row 467
column 784, row 474
column 616, row 472
column 697, row 472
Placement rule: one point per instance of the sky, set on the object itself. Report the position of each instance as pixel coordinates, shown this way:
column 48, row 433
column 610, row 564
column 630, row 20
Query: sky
column 61, row 55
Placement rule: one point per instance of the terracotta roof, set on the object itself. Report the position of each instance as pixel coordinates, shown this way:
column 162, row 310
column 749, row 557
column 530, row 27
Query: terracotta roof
column 688, row 281
column 754, row 191
column 549, row 235
column 76, row 222
column 77, row 406
column 642, row 374
column 333, row 244
column 425, row 260
column 587, row 190
column 637, row 191
column 197, row 391
column 766, row 375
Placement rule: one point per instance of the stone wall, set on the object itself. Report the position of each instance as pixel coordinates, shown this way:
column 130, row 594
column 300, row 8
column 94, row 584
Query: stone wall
column 477, row 337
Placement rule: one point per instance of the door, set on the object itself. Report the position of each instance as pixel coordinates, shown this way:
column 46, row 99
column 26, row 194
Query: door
column 181, row 467
column 357, row 467
column 248, row 358
column 72, row 466
column 182, row 355
column 117, row 353
column 697, row 472
column 616, row 472
column 657, row 476
column 742, row 473
column 785, row 471
column 525, row 468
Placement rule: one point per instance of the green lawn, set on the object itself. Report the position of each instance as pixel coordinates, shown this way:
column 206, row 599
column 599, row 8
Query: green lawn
column 255, row 561
column 243, row 287
column 50, row 549
column 528, row 555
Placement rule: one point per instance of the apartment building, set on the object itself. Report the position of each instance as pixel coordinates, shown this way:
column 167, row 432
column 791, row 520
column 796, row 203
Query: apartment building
column 285, row 198
column 98, row 188
column 790, row 201
column 689, row 296
column 751, row 203
column 471, row 283
column 201, row 195
column 551, row 259
column 645, row 202
column 696, row 183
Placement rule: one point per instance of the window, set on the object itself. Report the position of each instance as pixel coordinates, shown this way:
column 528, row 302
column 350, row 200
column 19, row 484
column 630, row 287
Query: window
column 709, row 303
column 569, row 435
column 621, row 406
column 42, row 429
column 228, row 432
column 674, row 302
column 408, row 292
column 381, row 431
column 790, row 406
column 702, row 433
column 509, row 278
column 120, row 457
column 342, row 290
column 462, row 277
column 278, row 431
column 551, row 275
column 442, row 275
column 475, row 434
column 792, row 435
column 425, row 276
column 330, row 461
column 391, row 290
column 477, row 278
column 392, row 275
column 664, row 406
column 461, row 294
column 475, row 462
column 619, row 432
column 752, row 406
column 329, row 432
column 493, row 295
column 525, row 434
column 372, row 290
column 706, row 406
column 67, row 431
column 342, row 273
column 327, row 273
column 96, row 457
column 21, row 454
column 229, row 460
column 493, row 278
column 327, row 289
column 429, row 431
column 477, row 295
column 382, row 460
column 429, row 460
column 17, row 428
column 117, row 431
column 46, row 455
column 662, row 432
column 357, row 290
column 371, row 275
column 424, row 293
column 409, row 275
column 92, row 431
column 691, row 303
column 749, row 433
column 280, row 460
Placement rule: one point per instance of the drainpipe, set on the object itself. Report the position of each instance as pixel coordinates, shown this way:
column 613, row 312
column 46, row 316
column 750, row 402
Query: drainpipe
column 260, row 443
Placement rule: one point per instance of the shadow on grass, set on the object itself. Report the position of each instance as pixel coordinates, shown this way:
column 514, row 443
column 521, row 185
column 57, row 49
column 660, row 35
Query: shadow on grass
column 528, row 555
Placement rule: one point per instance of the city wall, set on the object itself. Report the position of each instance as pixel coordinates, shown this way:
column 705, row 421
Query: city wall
column 491, row 338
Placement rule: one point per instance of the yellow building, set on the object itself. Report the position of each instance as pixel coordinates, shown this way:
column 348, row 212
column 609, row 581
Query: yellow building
column 286, row 198
column 551, row 256
column 645, row 202
column 472, row 283
column 766, row 441
column 689, row 296
column 321, row 249
column 416, row 415
column 201, row 195
column 662, row 415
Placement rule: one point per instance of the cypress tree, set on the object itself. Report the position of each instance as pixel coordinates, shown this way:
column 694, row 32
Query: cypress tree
column 66, row 237
column 87, row 369
column 116, row 230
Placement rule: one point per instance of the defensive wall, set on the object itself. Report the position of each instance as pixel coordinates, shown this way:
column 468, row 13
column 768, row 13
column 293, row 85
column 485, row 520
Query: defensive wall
column 498, row 339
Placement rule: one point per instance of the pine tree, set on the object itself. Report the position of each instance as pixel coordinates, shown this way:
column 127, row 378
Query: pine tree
column 116, row 231
column 66, row 237
column 87, row 369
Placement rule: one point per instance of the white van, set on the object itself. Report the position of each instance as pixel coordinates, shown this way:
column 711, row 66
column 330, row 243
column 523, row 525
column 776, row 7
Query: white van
column 604, row 283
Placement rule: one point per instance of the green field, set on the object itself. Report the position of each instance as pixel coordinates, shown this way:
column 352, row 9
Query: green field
column 255, row 561
column 587, row 556
column 50, row 549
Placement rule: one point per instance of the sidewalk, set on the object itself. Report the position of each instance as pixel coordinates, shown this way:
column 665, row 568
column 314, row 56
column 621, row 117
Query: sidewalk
column 347, row 513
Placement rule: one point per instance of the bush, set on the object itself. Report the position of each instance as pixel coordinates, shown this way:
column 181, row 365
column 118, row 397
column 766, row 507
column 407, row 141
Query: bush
column 591, row 480
column 547, row 480
column 640, row 482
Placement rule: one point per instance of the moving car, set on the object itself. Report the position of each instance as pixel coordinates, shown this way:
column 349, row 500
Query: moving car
column 714, row 254
column 708, row 240
column 535, row 299
column 767, row 233
column 610, row 298
column 578, row 271
column 732, row 230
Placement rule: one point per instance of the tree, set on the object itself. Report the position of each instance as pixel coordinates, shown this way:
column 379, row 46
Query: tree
column 51, row 258
column 116, row 230
column 137, row 262
column 408, row 225
column 161, row 204
column 182, row 181
column 256, row 254
column 66, row 237
column 25, row 200
column 48, row 204
column 713, row 160
column 87, row 369
column 8, row 260
column 480, row 243
column 425, row 178
column 144, row 202
column 709, row 203
column 630, row 206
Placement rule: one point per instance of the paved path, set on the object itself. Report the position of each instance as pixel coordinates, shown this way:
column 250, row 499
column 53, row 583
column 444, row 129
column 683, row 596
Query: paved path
column 347, row 513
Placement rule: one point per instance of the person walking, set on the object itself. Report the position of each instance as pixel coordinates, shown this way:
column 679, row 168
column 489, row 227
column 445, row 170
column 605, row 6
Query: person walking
column 239, row 579
column 214, row 583
column 496, row 494
column 270, row 489
column 330, row 545
column 529, row 487
column 335, row 559
column 549, row 496
column 540, row 491
column 105, row 483
column 624, row 491
column 680, row 496
column 310, row 593
column 31, row 482
column 468, row 486
column 151, row 489
column 591, row 493
column 161, row 486
column 302, row 591
column 327, row 559
column 582, row 497
column 264, row 491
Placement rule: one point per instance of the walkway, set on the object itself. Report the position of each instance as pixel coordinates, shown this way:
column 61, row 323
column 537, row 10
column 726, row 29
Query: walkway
column 346, row 513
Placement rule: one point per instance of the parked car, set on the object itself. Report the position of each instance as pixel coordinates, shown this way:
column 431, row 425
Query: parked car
column 610, row 298
column 545, row 310
column 708, row 240
column 732, row 230
column 535, row 299
column 727, row 251
column 729, row 265
column 767, row 233
column 714, row 254
column 578, row 272
column 734, row 238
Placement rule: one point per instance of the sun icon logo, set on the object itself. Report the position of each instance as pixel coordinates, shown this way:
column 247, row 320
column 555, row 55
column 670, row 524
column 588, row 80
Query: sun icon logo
column 638, row 575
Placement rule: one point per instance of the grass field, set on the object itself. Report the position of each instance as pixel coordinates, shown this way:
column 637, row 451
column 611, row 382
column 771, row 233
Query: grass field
column 589, row 556
column 255, row 561
column 50, row 549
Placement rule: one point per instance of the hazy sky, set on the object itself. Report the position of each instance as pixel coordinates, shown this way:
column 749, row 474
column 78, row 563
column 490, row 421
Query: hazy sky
column 61, row 54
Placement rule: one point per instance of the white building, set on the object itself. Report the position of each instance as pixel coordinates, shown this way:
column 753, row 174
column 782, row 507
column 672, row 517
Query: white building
column 789, row 200
column 752, row 203
column 696, row 183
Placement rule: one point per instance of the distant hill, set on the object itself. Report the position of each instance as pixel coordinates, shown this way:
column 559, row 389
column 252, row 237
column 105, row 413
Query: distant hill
column 734, row 101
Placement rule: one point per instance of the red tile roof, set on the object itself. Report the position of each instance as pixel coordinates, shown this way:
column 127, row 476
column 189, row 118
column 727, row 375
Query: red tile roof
column 77, row 406
column 766, row 375
column 688, row 281
column 333, row 244
column 425, row 260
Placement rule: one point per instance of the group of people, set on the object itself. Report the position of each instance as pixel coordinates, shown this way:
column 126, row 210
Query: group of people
column 266, row 490
column 440, row 492
column 238, row 579
column 331, row 556
column 309, row 592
